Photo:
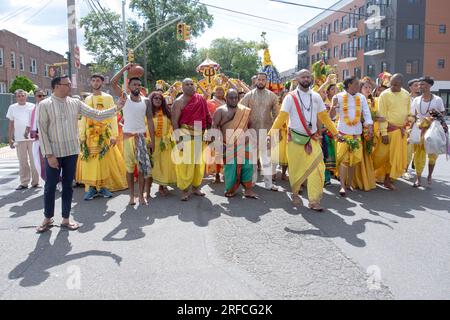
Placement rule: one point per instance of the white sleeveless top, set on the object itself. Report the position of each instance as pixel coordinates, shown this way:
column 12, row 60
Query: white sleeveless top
column 134, row 114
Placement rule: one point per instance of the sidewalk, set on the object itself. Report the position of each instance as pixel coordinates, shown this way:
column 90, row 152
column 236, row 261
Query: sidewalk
column 8, row 153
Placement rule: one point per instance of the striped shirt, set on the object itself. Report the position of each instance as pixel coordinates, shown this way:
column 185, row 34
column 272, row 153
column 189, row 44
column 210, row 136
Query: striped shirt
column 58, row 124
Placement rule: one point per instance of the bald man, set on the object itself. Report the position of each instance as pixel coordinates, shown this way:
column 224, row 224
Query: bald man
column 189, row 110
column 390, row 158
column 303, row 108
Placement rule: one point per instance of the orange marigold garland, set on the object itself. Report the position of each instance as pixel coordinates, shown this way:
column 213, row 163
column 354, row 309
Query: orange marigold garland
column 357, row 114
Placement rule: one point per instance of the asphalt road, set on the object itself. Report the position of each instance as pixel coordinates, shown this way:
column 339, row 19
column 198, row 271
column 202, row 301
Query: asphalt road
column 377, row 245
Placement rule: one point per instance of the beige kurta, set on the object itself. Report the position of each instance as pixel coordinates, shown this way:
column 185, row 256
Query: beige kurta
column 265, row 108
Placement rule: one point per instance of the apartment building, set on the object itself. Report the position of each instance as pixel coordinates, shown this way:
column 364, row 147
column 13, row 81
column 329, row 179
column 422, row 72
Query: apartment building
column 367, row 37
column 18, row 57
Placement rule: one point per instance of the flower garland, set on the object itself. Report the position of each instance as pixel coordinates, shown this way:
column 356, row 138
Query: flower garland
column 357, row 114
column 159, row 124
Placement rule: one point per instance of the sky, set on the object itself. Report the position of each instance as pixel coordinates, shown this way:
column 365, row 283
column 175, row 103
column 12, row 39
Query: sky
column 44, row 23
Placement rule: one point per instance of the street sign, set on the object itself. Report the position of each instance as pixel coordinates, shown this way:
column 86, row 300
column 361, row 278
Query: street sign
column 74, row 81
column 76, row 57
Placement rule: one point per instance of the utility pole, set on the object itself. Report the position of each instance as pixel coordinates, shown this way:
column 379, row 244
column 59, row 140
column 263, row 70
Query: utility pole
column 124, row 34
column 145, row 60
column 72, row 29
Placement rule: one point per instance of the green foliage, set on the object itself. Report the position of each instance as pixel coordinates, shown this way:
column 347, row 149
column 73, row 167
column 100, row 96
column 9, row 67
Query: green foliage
column 166, row 56
column 23, row 83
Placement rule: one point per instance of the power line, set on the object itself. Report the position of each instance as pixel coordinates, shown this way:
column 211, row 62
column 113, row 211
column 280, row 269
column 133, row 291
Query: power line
column 39, row 11
column 16, row 13
column 244, row 13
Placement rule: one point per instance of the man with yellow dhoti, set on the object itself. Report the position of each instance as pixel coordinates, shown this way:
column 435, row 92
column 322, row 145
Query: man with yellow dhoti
column 394, row 107
column 190, row 118
column 233, row 120
column 303, row 108
column 101, row 165
column 423, row 106
column 352, row 107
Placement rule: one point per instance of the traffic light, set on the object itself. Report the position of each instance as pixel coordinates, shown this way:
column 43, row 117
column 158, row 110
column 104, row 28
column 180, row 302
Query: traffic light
column 187, row 33
column 130, row 56
column 180, row 31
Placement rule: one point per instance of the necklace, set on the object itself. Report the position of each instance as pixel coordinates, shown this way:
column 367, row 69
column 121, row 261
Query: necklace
column 307, row 109
column 429, row 105
column 357, row 118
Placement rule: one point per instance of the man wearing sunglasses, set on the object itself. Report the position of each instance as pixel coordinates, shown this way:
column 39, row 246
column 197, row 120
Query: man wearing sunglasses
column 58, row 127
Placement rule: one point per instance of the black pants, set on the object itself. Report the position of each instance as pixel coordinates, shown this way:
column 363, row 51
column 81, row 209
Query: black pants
column 67, row 166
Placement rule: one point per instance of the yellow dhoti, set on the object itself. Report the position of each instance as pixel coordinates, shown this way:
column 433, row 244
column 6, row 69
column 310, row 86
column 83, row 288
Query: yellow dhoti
column 392, row 158
column 420, row 158
column 364, row 178
column 303, row 166
column 348, row 157
column 190, row 165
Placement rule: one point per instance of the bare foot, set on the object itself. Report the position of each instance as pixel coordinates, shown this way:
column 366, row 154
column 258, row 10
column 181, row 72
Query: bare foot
column 284, row 177
column 316, row 207
column 143, row 202
column 185, row 196
column 418, row 183
column 250, row 194
column 199, row 193
column 430, row 180
column 132, row 201
column 389, row 186
column 296, row 200
column 230, row 194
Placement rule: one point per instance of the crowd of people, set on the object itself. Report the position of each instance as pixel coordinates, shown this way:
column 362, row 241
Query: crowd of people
column 359, row 134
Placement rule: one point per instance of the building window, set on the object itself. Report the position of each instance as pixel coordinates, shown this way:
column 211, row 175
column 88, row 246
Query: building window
column 46, row 71
column 355, row 44
column 388, row 33
column 22, row 62
column 1, row 57
column 443, row 28
column 441, row 64
column 345, row 74
column 370, row 70
column 361, row 43
column 361, row 13
column 413, row 32
column 313, row 38
column 412, row 67
column 33, row 66
column 384, row 66
column 336, row 26
column 312, row 59
column 357, row 72
column 2, row 87
column 336, row 52
column 13, row 60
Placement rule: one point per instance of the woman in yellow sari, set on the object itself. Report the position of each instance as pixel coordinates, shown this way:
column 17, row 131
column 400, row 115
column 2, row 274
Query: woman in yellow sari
column 364, row 178
column 163, row 172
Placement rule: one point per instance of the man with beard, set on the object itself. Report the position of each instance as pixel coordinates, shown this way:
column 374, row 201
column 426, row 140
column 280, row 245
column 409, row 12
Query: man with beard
column 233, row 120
column 101, row 166
column 303, row 108
column 136, row 111
column 189, row 111
column 265, row 107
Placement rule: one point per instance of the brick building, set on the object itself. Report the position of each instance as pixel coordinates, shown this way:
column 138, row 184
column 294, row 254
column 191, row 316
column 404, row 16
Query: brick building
column 367, row 37
column 18, row 57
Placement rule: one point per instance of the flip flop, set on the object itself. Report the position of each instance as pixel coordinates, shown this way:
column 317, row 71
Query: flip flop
column 71, row 226
column 45, row 227
column 254, row 197
column 274, row 189
column 185, row 199
column 320, row 209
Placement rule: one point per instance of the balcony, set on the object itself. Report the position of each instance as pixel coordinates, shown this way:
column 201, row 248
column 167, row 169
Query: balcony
column 321, row 40
column 348, row 56
column 348, row 28
column 302, row 52
column 375, row 47
column 377, row 10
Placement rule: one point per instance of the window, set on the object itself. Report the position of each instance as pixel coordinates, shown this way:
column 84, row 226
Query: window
column 318, row 56
column 33, row 66
column 13, row 60
column 388, row 33
column 361, row 13
column 345, row 74
column 329, row 29
column 441, row 64
column 22, row 62
column 357, row 72
column 313, row 38
column 46, row 71
column 344, row 23
column 343, row 50
column 336, row 52
column 1, row 57
column 412, row 67
column 355, row 44
column 384, row 66
column 2, row 87
column 313, row 59
column 413, row 32
column 370, row 70
column 442, row 28
column 336, row 26
column 361, row 43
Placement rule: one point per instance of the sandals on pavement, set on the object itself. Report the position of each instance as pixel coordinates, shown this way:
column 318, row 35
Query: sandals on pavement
column 45, row 227
column 70, row 226
column 19, row 188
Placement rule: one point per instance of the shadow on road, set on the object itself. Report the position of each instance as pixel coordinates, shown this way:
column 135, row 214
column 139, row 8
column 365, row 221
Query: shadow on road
column 34, row 270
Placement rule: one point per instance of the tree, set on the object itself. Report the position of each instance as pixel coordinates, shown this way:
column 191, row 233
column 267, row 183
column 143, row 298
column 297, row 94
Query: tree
column 23, row 83
column 237, row 58
column 166, row 55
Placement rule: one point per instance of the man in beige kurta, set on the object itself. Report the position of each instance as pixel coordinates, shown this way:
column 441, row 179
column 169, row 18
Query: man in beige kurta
column 264, row 105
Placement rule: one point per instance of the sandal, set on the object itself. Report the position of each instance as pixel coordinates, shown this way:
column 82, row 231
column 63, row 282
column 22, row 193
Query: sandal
column 19, row 188
column 71, row 226
column 45, row 227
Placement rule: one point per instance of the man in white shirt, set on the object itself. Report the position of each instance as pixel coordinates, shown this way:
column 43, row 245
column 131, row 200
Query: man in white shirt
column 302, row 108
column 352, row 107
column 19, row 115
column 422, row 107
